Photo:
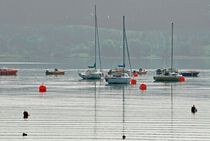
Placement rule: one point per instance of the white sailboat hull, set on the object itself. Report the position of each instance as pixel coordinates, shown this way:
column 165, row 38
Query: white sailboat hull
column 91, row 74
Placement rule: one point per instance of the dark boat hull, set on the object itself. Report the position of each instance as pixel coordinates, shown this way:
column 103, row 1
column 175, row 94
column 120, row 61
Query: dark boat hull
column 190, row 74
column 55, row 73
column 167, row 78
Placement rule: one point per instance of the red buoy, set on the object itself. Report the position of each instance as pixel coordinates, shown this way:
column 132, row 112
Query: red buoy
column 182, row 79
column 143, row 87
column 42, row 88
column 133, row 82
column 135, row 74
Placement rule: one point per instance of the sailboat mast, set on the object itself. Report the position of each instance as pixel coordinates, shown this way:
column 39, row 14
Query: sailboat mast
column 128, row 54
column 123, row 42
column 98, row 43
column 172, row 43
column 95, row 36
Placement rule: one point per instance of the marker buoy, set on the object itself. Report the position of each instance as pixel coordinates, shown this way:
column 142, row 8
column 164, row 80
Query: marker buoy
column 24, row 134
column 182, row 79
column 143, row 87
column 133, row 82
column 193, row 109
column 25, row 114
column 42, row 89
column 123, row 137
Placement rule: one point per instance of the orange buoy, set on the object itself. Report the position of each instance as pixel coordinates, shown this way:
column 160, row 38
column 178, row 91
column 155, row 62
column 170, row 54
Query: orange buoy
column 135, row 74
column 143, row 87
column 42, row 88
column 182, row 79
column 133, row 82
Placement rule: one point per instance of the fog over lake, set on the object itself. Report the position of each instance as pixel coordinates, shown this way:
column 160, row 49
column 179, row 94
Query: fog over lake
column 60, row 31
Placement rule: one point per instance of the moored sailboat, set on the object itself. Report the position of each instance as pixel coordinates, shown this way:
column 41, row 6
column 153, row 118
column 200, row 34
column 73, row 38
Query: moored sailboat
column 92, row 72
column 121, row 75
column 168, row 75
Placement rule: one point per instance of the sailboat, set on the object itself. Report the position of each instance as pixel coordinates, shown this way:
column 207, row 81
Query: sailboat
column 168, row 75
column 92, row 72
column 121, row 76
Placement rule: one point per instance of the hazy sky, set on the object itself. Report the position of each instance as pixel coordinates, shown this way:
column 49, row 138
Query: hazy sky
column 140, row 14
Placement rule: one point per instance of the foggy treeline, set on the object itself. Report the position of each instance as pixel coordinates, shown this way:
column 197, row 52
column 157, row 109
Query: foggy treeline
column 52, row 43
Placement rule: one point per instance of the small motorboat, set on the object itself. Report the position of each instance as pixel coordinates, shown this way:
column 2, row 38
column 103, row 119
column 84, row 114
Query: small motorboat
column 143, row 72
column 8, row 72
column 55, row 72
column 140, row 71
column 190, row 73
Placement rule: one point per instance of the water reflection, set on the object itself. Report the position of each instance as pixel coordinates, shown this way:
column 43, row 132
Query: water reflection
column 95, row 110
column 172, row 110
column 117, row 86
column 91, row 80
column 74, row 110
column 123, row 112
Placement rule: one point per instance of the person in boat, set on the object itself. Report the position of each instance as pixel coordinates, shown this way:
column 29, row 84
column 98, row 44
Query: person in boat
column 56, row 69
column 25, row 115
column 193, row 109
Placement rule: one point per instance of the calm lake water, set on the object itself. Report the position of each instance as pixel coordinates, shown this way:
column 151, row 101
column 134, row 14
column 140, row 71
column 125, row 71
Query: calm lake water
column 75, row 109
